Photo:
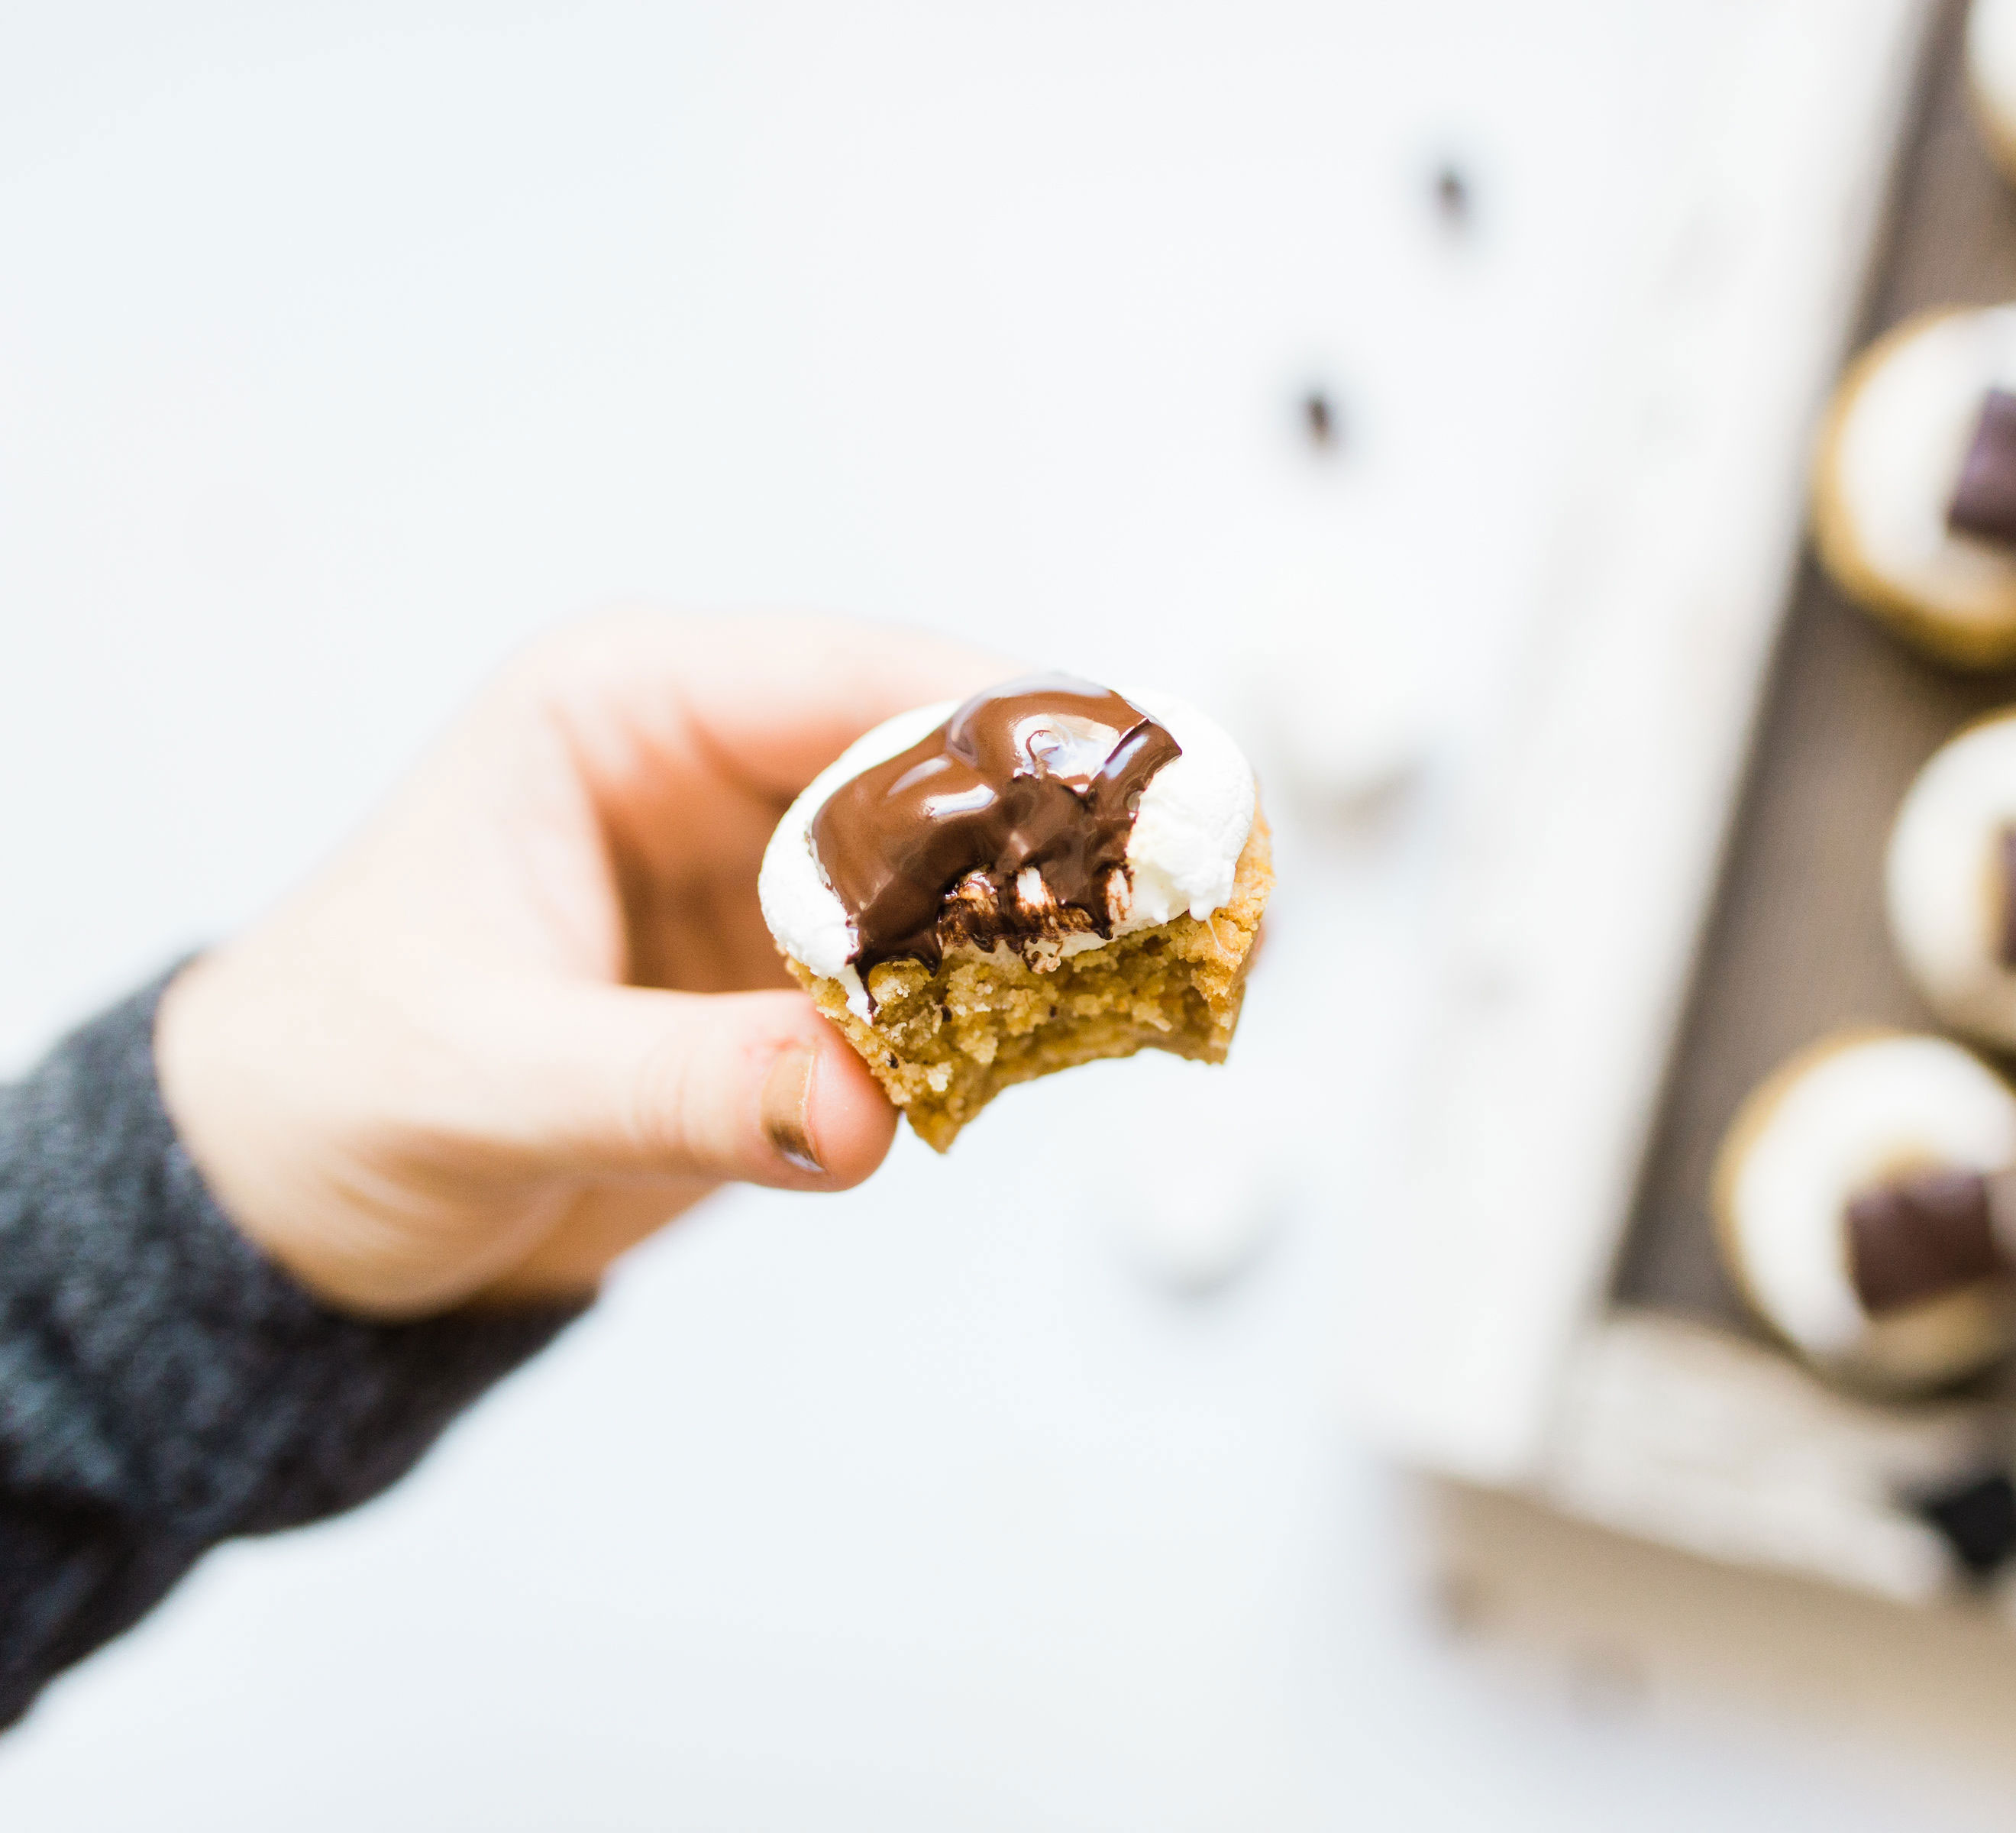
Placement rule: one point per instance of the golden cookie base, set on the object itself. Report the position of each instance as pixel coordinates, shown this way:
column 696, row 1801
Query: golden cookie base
column 944, row 1044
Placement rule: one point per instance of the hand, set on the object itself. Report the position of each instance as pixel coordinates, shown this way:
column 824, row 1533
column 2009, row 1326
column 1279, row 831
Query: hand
column 515, row 1026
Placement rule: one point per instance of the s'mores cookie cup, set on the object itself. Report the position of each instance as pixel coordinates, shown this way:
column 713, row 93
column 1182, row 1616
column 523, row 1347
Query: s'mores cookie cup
column 980, row 894
column 1991, row 78
column 1949, row 882
column 1914, row 491
column 1865, row 1203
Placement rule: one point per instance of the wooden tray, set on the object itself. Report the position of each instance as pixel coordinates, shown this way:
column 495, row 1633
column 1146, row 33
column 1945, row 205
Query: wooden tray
column 1797, row 944
column 1584, row 845
column 1680, row 1420
column 1669, row 874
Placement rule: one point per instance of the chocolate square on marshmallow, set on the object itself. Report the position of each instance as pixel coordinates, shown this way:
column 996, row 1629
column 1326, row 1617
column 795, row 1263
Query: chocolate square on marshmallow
column 1985, row 503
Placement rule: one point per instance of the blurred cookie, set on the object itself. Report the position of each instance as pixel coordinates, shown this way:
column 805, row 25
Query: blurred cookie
column 1914, row 491
column 1866, row 1204
column 1949, row 882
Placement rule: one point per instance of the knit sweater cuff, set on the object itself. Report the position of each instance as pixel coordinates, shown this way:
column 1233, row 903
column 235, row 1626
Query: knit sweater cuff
column 155, row 1364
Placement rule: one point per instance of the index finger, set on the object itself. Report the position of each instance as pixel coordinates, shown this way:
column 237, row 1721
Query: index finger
column 765, row 699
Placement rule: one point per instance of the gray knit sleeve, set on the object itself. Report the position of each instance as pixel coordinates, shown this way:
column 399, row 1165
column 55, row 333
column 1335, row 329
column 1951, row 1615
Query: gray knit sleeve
column 163, row 1386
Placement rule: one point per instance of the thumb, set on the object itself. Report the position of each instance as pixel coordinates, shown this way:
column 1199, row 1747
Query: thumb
column 630, row 1082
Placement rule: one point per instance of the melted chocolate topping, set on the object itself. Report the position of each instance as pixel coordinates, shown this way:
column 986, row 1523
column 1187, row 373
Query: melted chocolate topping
column 1984, row 504
column 2005, row 853
column 1010, row 821
column 1925, row 1232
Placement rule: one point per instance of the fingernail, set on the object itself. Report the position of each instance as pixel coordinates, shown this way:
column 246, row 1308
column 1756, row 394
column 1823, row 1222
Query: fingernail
column 787, row 1106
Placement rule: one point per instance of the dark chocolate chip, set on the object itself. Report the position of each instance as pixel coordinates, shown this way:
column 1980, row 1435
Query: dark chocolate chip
column 1916, row 1235
column 1977, row 1514
column 1984, row 502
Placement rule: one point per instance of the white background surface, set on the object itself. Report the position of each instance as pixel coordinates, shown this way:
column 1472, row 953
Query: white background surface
column 339, row 352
